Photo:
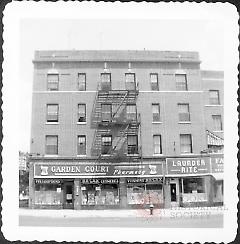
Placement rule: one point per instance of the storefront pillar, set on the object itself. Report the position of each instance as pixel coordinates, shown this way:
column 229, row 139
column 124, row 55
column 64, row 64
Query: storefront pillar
column 123, row 192
column 31, row 186
column 77, row 194
column 167, row 194
column 209, row 189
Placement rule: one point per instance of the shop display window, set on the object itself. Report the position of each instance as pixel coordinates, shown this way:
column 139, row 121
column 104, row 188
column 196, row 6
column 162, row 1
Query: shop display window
column 48, row 194
column 193, row 185
column 105, row 194
column 218, row 191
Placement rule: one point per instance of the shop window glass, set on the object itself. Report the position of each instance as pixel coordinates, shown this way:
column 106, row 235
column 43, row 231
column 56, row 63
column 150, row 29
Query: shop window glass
column 52, row 82
column 132, row 144
column 52, row 112
column 154, row 82
column 218, row 191
column 82, row 82
column 181, row 82
column 157, row 144
column 106, row 81
column 52, row 145
column 214, row 97
column 47, row 194
column 156, row 112
column 130, row 83
column 183, row 112
column 193, row 185
column 81, row 147
column 106, row 112
column 106, row 144
column 131, row 111
column 186, row 143
column 217, row 122
column 81, row 113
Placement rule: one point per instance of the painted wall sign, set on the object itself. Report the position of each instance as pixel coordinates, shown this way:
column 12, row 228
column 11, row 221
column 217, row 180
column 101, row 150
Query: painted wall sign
column 100, row 181
column 186, row 166
column 216, row 162
column 145, row 180
column 48, row 181
column 76, row 170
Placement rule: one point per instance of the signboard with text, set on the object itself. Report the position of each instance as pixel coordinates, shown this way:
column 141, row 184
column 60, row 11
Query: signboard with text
column 77, row 170
column 216, row 162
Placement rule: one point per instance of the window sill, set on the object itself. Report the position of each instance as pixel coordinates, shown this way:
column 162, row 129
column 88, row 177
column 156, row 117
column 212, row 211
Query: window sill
column 132, row 155
column 217, row 131
column 213, row 105
column 81, row 123
column 157, row 155
column 82, row 156
column 184, row 122
column 52, row 123
column 186, row 154
column 51, row 155
column 157, row 122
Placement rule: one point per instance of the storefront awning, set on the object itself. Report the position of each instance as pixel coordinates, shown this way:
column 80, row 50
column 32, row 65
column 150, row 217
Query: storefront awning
column 214, row 140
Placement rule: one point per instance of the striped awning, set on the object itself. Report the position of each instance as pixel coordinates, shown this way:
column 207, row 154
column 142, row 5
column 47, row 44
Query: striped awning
column 214, row 140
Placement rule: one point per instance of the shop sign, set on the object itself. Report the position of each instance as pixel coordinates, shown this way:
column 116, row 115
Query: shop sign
column 48, row 181
column 216, row 162
column 145, row 180
column 186, row 166
column 99, row 181
column 77, row 170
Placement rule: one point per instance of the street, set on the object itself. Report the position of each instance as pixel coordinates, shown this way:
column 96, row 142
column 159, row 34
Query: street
column 209, row 221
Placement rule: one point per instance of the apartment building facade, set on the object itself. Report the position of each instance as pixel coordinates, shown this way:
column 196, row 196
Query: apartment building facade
column 125, row 129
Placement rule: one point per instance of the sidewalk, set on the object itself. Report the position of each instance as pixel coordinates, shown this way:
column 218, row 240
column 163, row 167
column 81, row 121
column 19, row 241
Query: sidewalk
column 134, row 213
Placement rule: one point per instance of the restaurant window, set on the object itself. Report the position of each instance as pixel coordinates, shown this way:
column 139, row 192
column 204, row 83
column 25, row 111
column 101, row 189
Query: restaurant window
column 156, row 112
column 132, row 144
column 193, row 185
column 106, row 81
column 52, row 82
column 181, row 82
column 81, row 145
column 106, row 144
column 130, row 82
column 82, row 82
column 183, row 112
column 81, row 113
column 214, row 97
column 106, row 112
column 217, row 122
column 51, row 145
column 157, row 144
column 154, row 82
column 186, row 143
column 52, row 113
column 131, row 111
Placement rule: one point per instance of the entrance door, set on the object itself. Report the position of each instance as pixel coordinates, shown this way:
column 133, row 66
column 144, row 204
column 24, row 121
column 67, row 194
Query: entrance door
column 68, row 195
column 174, row 193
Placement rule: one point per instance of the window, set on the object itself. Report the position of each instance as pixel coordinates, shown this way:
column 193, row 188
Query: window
column 106, row 144
column 156, row 112
column 217, row 122
column 52, row 113
column 81, row 113
column 52, row 145
column 106, row 112
column 154, row 82
column 82, row 82
column 130, row 81
column 106, row 81
column 181, row 82
column 131, row 111
column 183, row 112
column 52, row 82
column 214, row 97
column 157, row 144
column 81, row 145
column 186, row 143
column 132, row 144
column 193, row 185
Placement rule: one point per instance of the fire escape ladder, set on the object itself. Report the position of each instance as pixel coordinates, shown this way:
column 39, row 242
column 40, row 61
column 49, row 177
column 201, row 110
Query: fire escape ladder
column 124, row 98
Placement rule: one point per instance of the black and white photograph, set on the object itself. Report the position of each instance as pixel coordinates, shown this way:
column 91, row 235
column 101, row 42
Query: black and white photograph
column 120, row 122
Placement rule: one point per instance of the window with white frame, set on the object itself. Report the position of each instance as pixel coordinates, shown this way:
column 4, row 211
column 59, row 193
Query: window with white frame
column 106, row 144
column 183, row 112
column 154, row 81
column 106, row 112
column 52, row 113
column 131, row 111
column 132, row 144
column 106, row 81
column 185, row 143
column 157, row 144
column 81, row 145
column 81, row 113
column 82, row 82
column 130, row 82
column 214, row 97
column 156, row 112
column 52, row 82
column 181, row 82
column 217, row 122
column 51, row 145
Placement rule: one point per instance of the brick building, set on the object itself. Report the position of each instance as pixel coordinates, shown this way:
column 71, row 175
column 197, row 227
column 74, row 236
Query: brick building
column 123, row 129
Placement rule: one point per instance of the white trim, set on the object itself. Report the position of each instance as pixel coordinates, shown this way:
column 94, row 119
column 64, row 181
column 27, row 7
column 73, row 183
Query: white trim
column 217, row 79
column 213, row 105
column 82, row 156
column 157, row 155
column 184, row 122
column 94, row 91
column 51, row 155
column 218, row 131
column 52, row 123
column 81, row 123
column 157, row 122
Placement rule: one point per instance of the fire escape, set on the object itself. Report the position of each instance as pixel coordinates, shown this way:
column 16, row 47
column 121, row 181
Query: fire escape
column 116, row 123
